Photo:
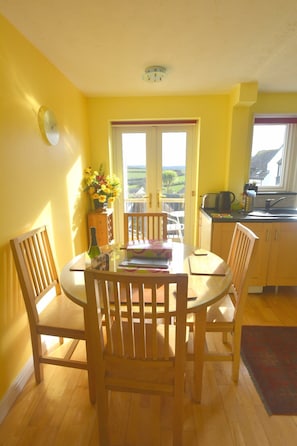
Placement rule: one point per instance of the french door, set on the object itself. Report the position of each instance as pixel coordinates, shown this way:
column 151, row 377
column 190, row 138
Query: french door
column 157, row 166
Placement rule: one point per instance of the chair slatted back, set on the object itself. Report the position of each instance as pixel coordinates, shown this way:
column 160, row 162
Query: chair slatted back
column 35, row 266
column 132, row 307
column 239, row 260
column 145, row 226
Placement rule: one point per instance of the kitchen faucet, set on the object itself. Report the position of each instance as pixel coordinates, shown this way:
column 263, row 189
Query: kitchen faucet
column 269, row 205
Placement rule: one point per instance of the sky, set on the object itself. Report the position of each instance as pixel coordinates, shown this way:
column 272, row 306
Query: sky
column 267, row 137
column 173, row 143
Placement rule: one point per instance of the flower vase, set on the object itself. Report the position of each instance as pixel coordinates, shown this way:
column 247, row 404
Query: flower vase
column 98, row 206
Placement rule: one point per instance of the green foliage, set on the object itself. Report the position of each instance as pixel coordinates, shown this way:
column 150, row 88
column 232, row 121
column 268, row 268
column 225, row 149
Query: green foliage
column 173, row 181
column 168, row 177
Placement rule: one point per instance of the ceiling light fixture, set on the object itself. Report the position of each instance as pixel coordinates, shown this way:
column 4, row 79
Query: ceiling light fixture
column 154, row 74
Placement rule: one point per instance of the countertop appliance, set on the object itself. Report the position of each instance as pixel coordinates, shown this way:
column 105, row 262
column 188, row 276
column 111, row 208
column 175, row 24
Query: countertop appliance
column 225, row 199
column 209, row 201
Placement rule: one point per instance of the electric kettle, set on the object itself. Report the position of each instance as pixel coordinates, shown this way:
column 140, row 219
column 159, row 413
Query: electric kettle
column 225, row 199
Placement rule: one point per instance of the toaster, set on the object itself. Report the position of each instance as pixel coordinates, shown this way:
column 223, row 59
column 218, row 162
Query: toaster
column 209, row 201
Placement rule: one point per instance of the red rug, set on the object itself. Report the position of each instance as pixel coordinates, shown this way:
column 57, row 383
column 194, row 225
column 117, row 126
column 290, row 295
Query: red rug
column 270, row 355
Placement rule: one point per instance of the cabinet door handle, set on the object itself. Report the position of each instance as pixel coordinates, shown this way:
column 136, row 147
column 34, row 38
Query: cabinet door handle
column 267, row 235
column 276, row 235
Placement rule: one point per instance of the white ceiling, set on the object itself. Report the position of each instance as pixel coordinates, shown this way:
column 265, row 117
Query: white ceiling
column 207, row 46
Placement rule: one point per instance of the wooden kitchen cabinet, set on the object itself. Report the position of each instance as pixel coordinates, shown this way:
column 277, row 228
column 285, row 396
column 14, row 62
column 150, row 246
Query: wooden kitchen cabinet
column 261, row 259
column 215, row 237
column 283, row 254
column 103, row 222
column 275, row 260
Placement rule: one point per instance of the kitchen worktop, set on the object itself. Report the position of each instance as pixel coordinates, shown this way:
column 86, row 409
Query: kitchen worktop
column 258, row 215
column 277, row 233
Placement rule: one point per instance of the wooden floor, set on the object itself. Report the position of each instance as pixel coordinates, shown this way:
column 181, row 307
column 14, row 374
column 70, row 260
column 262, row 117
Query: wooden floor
column 57, row 412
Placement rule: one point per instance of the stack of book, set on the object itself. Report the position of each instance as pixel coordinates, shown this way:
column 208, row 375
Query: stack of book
column 154, row 255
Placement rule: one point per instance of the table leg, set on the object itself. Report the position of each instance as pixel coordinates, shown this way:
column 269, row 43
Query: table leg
column 199, row 345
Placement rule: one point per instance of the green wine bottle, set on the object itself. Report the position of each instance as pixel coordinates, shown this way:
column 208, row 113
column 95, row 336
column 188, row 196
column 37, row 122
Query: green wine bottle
column 94, row 250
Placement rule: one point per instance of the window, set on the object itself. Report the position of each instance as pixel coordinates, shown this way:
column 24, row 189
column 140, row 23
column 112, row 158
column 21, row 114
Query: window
column 273, row 156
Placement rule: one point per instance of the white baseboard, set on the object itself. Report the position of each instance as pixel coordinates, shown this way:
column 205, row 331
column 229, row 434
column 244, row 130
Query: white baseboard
column 255, row 289
column 15, row 389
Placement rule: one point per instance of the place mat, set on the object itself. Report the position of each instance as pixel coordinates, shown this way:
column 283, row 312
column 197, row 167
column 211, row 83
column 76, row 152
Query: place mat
column 206, row 265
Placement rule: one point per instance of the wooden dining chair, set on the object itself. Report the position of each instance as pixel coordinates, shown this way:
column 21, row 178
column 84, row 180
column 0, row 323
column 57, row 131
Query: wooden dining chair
column 145, row 226
column 137, row 349
column 50, row 312
column 225, row 316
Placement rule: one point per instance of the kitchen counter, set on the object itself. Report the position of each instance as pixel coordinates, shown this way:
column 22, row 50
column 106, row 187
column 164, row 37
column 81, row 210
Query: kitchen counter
column 258, row 215
column 275, row 261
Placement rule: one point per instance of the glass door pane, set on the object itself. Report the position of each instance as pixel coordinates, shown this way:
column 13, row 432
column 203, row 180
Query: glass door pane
column 134, row 172
column 174, row 145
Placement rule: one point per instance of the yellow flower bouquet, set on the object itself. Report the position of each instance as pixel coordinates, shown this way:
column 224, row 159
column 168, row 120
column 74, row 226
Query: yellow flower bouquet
column 103, row 189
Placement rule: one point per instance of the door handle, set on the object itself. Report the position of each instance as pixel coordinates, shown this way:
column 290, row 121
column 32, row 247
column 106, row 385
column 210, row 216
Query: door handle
column 159, row 196
column 150, row 199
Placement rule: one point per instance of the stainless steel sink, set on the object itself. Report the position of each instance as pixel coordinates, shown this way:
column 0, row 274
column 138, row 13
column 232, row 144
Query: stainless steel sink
column 278, row 212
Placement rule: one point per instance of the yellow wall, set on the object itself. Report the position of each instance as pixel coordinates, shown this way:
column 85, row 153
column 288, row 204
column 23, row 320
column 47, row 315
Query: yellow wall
column 225, row 128
column 39, row 184
column 211, row 111
column 276, row 103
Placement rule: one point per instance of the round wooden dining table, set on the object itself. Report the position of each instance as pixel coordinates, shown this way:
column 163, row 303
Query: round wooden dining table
column 209, row 279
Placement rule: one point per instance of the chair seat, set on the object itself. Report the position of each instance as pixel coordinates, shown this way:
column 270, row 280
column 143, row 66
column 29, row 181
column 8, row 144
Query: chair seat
column 133, row 374
column 221, row 311
column 62, row 313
